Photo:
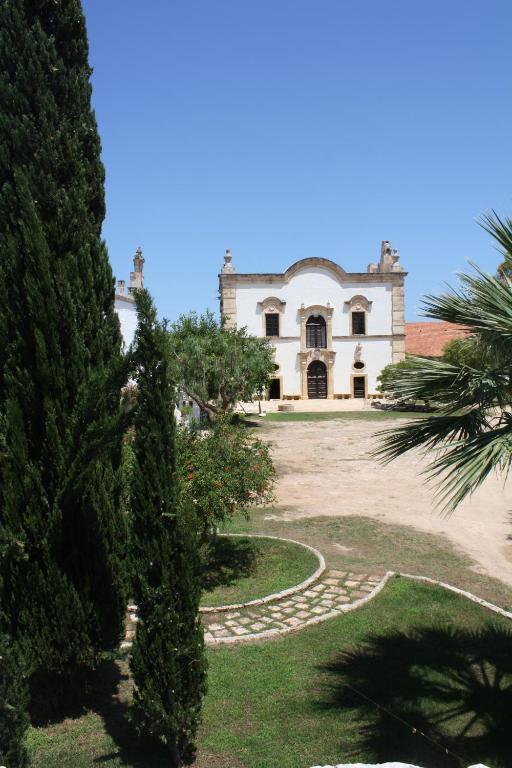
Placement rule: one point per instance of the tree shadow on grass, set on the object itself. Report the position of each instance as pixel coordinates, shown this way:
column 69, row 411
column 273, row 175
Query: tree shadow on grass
column 111, row 700
column 227, row 560
column 436, row 698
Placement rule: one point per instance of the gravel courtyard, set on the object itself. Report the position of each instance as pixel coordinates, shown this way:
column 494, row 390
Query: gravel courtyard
column 325, row 468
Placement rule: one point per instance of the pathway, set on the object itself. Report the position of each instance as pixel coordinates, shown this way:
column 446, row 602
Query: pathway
column 335, row 592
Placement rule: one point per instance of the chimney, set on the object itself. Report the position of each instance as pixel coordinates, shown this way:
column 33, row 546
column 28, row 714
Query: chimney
column 121, row 286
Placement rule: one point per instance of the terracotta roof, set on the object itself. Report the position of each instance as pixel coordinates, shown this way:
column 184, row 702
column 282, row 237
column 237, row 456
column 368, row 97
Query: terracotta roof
column 428, row 339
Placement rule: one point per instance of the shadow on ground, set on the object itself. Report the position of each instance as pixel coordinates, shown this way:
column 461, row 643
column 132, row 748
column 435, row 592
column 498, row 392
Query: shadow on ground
column 227, row 560
column 436, row 698
column 110, row 699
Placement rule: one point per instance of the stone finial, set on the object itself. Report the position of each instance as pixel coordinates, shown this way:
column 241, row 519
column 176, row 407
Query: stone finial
column 137, row 277
column 138, row 260
column 389, row 259
column 228, row 266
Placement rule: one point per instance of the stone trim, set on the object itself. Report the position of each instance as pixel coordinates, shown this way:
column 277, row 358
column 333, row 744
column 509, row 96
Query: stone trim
column 359, row 303
column 227, row 295
column 128, row 298
column 398, row 322
column 358, row 375
column 272, row 633
column 344, row 277
column 267, row 391
column 275, row 595
column 272, row 304
column 310, row 622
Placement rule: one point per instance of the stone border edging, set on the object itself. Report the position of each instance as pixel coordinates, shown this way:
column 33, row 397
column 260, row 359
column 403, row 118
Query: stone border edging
column 316, row 620
column 275, row 595
column 270, row 633
column 463, row 592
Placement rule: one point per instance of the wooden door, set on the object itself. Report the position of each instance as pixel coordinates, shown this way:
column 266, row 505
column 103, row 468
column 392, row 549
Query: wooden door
column 317, row 381
column 359, row 386
column 274, row 390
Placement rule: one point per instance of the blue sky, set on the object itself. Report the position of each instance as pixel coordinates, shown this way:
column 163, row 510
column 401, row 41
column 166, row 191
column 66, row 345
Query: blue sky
column 283, row 129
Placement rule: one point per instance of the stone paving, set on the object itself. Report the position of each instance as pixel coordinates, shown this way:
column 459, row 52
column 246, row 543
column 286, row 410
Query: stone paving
column 331, row 594
column 335, row 592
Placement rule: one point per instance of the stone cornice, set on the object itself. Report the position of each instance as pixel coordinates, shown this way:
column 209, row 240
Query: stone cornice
column 345, row 338
column 127, row 299
column 394, row 278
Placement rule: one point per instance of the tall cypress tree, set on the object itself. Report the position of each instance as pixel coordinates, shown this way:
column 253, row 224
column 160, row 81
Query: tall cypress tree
column 61, row 368
column 168, row 663
column 13, row 706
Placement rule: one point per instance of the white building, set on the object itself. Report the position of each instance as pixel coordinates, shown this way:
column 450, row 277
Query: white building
column 125, row 300
column 333, row 331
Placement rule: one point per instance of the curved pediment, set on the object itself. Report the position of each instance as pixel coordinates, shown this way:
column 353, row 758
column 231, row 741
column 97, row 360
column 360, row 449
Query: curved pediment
column 314, row 261
column 272, row 304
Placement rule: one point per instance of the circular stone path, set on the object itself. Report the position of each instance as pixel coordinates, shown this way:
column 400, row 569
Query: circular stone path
column 334, row 593
column 324, row 595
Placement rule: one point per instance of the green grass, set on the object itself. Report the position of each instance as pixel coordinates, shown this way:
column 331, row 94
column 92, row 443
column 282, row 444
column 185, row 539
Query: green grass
column 365, row 545
column 433, row 659
column 246, row 569
column 373, row 415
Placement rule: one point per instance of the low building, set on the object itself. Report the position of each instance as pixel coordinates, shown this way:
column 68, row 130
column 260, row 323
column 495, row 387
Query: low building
column 428, row 339
column 125, row 300
column 332, row 331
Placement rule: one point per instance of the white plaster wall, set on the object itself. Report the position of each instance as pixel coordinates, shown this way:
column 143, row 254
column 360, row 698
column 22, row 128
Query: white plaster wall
column 376, row 353
column 289, row 365
column 316, row 285
column 127, row 318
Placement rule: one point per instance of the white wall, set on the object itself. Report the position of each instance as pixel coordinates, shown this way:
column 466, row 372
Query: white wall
column 289, row 365
column 313, row 285
column 127, row 317
column 376, row 354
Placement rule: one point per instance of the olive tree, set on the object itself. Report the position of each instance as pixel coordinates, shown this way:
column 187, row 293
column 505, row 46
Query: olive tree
column 218, row 367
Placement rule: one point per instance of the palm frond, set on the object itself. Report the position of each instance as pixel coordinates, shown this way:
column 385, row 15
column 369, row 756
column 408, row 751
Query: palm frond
column 500, row 230
column 452, row 386
column 469, row 462
column 432, row 432
column 484, row 307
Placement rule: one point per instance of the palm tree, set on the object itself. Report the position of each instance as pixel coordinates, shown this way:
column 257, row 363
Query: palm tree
column 471, row 428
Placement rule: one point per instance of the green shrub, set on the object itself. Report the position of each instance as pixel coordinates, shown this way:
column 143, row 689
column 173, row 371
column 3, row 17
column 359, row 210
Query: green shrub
column 222, row 470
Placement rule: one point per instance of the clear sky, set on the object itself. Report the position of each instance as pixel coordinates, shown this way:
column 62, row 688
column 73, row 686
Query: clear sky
column 283, row 129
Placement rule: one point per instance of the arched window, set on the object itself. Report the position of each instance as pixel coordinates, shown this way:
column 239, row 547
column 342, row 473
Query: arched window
column 316, row 335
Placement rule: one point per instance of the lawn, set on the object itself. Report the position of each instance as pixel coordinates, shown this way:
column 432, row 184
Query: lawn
column 373, row 415
column 399, row 679
column 364, row 545
column 243, row 569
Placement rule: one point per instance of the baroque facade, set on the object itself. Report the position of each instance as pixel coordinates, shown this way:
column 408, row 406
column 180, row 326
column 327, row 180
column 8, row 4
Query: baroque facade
column 332, row 331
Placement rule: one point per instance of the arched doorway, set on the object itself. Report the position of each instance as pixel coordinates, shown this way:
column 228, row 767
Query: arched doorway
column 317, row 380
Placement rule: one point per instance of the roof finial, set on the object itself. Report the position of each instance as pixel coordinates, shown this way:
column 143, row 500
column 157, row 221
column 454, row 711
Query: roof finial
column 137, row 277
column 228, row 266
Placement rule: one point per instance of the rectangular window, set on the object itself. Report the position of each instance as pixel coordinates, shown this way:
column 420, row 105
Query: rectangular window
column 272, row 325
column 358, row 323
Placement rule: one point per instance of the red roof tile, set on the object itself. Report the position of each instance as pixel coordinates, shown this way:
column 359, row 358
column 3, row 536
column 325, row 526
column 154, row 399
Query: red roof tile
column 428, row 339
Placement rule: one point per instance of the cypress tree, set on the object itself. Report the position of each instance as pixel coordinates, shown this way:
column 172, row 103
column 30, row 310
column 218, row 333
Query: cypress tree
column 13, row 707
column 61, row 368
column 168, row 663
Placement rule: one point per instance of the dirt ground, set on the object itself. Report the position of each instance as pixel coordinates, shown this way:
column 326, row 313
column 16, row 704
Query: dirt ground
column 325, row 468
